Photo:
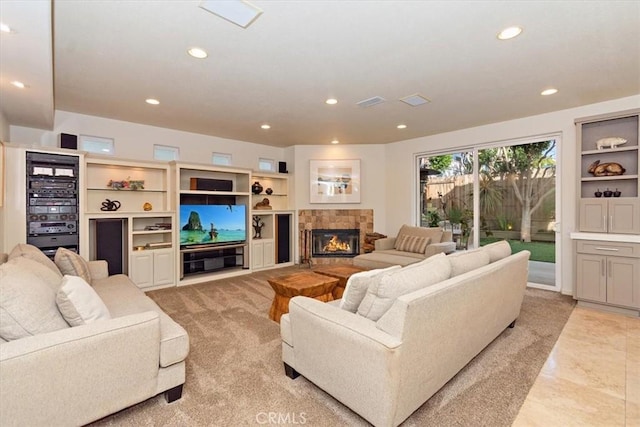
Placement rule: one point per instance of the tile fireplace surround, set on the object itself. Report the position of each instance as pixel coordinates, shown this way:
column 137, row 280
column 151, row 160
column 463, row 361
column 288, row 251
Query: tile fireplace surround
column 309, row 219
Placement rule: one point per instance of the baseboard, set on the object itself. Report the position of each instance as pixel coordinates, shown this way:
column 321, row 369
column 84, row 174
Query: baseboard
column 611, row 309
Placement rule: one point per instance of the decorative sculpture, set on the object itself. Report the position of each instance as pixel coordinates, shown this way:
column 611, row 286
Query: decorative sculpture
column 611, row 141
column 606, row 169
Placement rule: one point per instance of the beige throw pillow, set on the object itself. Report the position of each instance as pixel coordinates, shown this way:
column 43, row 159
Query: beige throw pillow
column 46, row 275
column 497, row 250
column 79, row 303
column 464, row 261
column 358, row 284
column 415, row 244
column 381, row 296
column 31, row 252
column 27, row 304
column 72, row 264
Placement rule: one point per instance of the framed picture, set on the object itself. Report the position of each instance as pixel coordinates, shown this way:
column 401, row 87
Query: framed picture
column 334, row 181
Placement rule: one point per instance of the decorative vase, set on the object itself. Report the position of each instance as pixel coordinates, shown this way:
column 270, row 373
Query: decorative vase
column 268, row 191
column 617, row 193
column 598, row 193
column 256, row 188
column 608, row 193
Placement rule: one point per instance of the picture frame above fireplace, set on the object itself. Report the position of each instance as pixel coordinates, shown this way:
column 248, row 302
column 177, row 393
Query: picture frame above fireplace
column 334, row 181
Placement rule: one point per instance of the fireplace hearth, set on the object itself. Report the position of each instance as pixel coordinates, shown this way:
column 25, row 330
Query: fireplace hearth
column 335, row 242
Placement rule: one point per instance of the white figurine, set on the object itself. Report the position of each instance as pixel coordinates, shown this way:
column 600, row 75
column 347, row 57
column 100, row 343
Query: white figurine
column 612, row 142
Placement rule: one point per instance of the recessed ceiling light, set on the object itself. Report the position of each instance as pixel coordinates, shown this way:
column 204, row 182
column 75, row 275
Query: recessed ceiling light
column 152, row 101
column 196, row 52
column 5, row 28
column 265, row 126
column 548, row 92
column 18, row 84
column 401, row 126
column 335, row 141
column 331, row 101
column 509, row 33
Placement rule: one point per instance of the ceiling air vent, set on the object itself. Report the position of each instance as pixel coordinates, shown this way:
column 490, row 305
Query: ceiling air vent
column 415, row 100
column 371, row 101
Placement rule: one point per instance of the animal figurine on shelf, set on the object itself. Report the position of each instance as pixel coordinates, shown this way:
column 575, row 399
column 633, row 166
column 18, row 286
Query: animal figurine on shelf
column 611, row 142
column 606, row 169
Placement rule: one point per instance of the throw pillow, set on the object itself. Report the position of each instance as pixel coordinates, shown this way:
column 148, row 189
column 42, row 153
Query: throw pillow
column 27, row 304
column 415, row 244
column 31, row 252
column 72, row 264
column 358, row 284
column 39, row 270
column 498, row 250
column 464, row 261
column 381, row 296
column 79, row 303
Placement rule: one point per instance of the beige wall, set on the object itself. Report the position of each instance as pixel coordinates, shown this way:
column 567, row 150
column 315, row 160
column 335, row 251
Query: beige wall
column 135, row 141
column 4, row 128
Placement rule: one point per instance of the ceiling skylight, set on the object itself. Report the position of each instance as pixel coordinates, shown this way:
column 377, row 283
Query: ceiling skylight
column 239, row 12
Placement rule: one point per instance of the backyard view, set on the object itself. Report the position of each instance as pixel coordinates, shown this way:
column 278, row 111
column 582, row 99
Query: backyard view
column 516, row 195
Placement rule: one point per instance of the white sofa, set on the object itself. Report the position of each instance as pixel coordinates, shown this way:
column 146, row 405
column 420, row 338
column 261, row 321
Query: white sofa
column 383, row 354
column 126, row 351
column 411, row 245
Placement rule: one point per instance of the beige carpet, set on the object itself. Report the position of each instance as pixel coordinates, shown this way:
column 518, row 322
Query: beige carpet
column 235, row 375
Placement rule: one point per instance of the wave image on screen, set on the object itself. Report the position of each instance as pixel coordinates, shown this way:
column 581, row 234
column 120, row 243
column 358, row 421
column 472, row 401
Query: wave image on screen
column 212, row 224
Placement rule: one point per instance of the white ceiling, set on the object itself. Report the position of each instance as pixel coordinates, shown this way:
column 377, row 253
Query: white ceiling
column 109, row 56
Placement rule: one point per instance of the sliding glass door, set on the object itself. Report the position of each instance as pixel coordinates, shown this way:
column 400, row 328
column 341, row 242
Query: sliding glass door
column 503, row 192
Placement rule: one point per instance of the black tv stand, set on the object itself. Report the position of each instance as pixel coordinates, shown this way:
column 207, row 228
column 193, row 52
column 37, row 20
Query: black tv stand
column 199, row 259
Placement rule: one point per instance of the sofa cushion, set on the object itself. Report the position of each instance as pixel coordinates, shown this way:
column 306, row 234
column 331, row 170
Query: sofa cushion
column 415, row 244
column 497, row 250
column 31, row 252
column 79, row 303
column 434, row 233
column 381, row 295
column 357, row 286
column 72, row 264
column 464, row 261
column 27, row 304
column 52, row 279
column 122, row 297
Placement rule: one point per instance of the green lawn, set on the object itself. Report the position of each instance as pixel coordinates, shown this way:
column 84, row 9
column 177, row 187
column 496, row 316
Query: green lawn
column 540, row 251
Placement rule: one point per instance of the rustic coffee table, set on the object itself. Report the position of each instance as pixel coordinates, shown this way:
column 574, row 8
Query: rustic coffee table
column 342, row 272
column 306, row 283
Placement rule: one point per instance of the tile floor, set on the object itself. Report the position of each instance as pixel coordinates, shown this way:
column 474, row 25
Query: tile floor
column 592, row 376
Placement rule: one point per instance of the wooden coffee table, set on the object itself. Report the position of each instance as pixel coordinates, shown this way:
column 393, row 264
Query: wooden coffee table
column 306, row 283
column 342, row 272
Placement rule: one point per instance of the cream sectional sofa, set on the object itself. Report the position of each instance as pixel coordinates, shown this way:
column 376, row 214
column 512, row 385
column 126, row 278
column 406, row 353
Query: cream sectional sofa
column 412, row 244
column 399, row 334
column 122, row 349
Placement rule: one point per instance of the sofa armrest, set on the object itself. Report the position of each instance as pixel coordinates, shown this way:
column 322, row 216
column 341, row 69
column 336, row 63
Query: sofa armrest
column 90, row 371
column 436, row 248
column 99, row 269
column 385, row 243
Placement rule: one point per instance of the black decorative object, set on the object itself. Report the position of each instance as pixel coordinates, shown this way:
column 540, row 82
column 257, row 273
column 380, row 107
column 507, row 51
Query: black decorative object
column 617, row 193
column 110, row 205
column 598, row 193
column 256, row 188
column 269, row 191
column 608, row 193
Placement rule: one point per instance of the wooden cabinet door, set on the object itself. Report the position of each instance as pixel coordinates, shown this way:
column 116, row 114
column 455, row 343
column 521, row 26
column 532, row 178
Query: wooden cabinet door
column 624, row 216
column 163, row 267
column 257, row 254
column 142, row 269
column 593, row 215
column 591, row 274
column 623, row 281
column 269, row 254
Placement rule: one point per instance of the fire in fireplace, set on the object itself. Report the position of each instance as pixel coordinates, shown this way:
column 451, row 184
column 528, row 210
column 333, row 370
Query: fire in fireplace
column 335, row 243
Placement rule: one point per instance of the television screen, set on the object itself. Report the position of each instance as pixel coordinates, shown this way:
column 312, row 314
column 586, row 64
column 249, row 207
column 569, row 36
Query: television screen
column 212, row 224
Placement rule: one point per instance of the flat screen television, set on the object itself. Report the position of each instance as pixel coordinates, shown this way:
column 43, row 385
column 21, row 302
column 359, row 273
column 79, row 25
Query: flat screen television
column 212, row 224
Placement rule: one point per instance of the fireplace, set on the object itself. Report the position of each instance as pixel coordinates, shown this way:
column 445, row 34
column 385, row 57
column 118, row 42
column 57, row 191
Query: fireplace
column 335, row 242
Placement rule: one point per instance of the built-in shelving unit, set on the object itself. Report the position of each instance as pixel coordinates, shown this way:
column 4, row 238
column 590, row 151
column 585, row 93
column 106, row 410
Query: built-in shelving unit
column 196, row 184
column 141, row 192
column 608, row 238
